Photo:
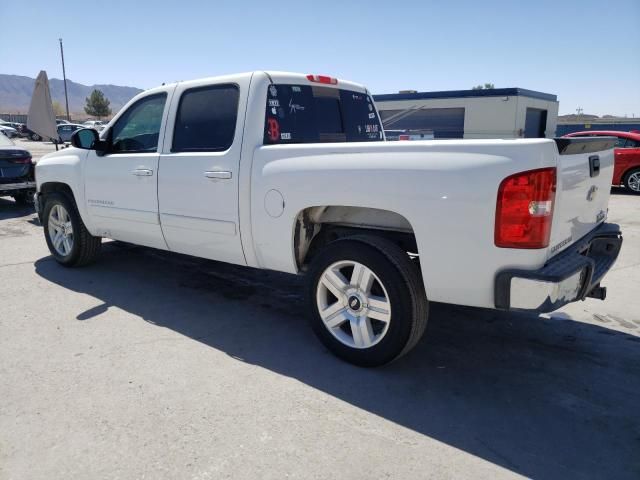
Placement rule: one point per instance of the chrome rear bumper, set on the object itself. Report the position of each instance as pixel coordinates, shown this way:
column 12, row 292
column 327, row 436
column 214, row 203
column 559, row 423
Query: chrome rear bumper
column 573, row 274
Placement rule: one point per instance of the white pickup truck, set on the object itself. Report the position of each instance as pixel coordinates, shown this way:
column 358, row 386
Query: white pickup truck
column 292, row 173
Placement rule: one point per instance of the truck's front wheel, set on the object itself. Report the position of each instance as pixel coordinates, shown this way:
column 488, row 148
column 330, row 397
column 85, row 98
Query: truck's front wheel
column 68, row 239
column 368, row 302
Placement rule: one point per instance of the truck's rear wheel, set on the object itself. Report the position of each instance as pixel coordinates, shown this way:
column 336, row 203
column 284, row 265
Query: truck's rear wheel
column 68, row 239
column 632, row 181
column 368, row 302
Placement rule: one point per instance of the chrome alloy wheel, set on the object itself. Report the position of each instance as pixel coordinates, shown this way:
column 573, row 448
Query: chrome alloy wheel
column 60, row 230
column 353, row 304
column 634, row 181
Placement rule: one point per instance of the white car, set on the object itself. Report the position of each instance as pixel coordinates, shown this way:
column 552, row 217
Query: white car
column 8, row 131
column 290, row 172
column 95, row 124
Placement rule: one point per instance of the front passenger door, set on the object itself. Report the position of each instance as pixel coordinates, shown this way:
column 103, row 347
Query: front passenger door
column 121, row 185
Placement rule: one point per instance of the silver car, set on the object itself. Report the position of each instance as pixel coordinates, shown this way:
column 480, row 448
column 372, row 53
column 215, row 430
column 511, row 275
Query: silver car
column 65, row 130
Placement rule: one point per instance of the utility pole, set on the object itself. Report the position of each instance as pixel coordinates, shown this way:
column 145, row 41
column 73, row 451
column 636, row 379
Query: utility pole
column 64, row 77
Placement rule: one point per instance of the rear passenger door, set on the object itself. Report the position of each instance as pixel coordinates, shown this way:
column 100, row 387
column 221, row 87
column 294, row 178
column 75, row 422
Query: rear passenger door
column 198, row 171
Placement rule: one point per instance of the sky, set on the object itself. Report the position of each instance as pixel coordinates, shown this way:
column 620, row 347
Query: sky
column 586, row 52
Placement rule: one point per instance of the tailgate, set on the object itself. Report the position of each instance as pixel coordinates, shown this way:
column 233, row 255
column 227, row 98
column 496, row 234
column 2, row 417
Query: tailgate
column 585, row 170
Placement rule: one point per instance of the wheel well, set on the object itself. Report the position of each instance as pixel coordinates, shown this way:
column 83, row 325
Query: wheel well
column 315, row 227
column 58, row 187
column 623, row 177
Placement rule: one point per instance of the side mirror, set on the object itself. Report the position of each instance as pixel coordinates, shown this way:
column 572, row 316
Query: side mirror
column 84, row 138
column 88, row 139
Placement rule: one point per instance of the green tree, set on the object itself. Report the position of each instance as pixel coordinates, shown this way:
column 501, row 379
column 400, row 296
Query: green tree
column 486, row 86
column 97, row 105
column 58, row 110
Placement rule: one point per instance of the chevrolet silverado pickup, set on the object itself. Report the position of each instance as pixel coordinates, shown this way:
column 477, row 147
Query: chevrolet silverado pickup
column 292, row 173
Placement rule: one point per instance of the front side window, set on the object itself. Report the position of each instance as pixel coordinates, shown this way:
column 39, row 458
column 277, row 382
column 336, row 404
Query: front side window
column 138, row 129
column 206, row 119
column 313, row 114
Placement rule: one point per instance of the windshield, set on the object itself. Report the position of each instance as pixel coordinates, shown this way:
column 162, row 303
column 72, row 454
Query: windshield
column 314, row 114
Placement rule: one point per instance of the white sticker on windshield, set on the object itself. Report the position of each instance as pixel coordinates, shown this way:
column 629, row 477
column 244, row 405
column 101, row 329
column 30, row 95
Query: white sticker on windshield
column 285, row 136
column 372, row 115
column 294, row 107
column 273, row 102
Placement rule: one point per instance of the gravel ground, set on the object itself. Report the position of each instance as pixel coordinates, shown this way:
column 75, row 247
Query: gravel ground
column 154, row 365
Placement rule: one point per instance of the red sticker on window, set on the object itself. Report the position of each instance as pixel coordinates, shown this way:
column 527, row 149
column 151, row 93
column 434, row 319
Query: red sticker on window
column 273, row 129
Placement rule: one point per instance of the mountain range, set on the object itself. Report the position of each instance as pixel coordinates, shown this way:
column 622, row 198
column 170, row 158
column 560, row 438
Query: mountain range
column 16, row 91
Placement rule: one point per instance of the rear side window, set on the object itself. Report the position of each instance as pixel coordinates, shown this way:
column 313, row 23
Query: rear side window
column 314, row 114
column 206, row 119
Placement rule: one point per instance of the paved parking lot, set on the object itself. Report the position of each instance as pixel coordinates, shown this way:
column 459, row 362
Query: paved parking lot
column 153, row 365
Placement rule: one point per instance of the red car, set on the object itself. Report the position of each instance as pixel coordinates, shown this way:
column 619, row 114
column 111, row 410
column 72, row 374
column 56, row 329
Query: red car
column 627, row 156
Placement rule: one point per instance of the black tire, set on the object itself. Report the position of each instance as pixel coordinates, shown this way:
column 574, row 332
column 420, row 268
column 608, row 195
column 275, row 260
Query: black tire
column 627, row 178
column 24, row 199
column 85, row 248
column 405, row 291
column 35, row 137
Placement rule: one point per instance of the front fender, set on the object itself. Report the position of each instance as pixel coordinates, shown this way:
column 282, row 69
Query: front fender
column 65, row 167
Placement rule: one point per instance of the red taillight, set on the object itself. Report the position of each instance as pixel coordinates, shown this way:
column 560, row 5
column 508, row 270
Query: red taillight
column 525, row 208
column 322, row 79
column 21, row 160
column 403, row 137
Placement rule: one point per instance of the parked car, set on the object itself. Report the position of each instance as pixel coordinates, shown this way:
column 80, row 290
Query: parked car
column 61, row 121
column 96, row 124
column 15, row 125
column 291, row 173
column 405, row 135
column 66, row 130
column 627, row 156
column 30, row 134
column 9, row 131
column 16, row 172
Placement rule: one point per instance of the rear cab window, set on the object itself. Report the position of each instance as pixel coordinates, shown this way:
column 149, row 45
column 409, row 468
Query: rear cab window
column 318, row 114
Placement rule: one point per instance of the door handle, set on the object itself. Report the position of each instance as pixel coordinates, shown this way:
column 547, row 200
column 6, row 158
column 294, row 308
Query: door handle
column 142, row 172
column 594, row 166
column 218, row 175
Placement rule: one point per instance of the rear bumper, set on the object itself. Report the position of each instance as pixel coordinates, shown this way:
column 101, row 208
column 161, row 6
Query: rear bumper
column 573, row 274
column 10, row 187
